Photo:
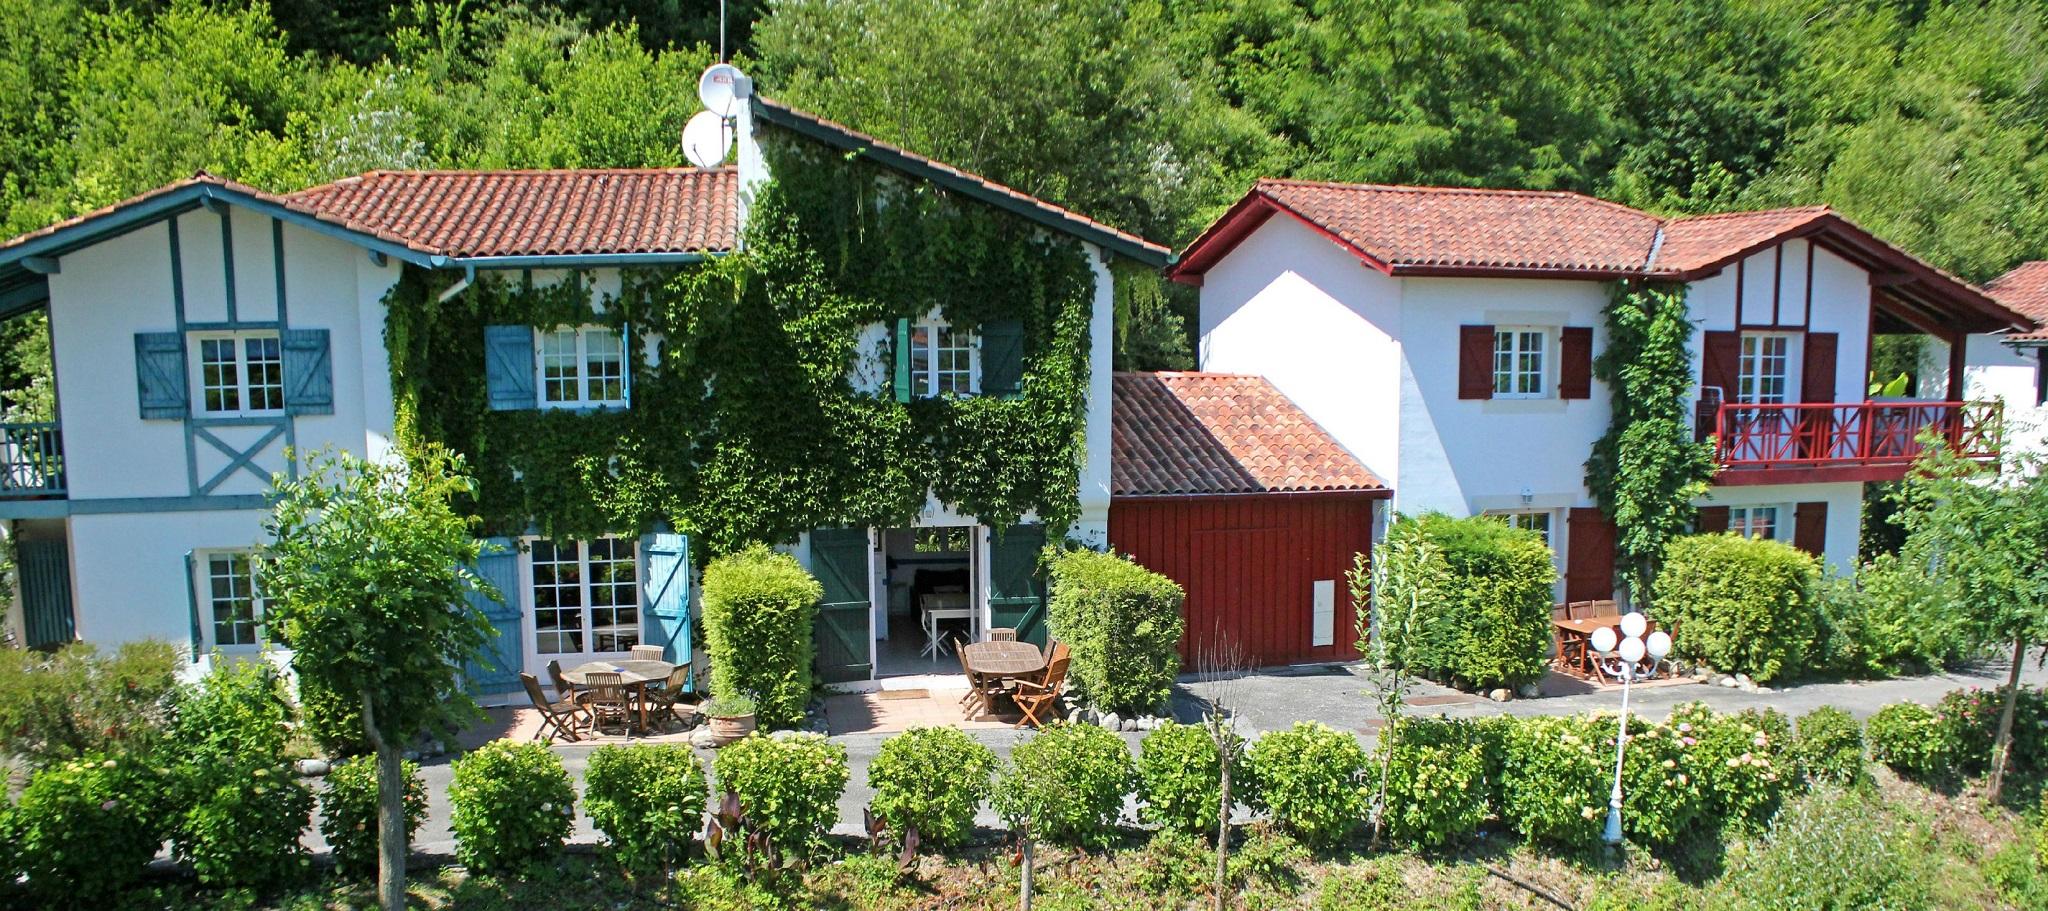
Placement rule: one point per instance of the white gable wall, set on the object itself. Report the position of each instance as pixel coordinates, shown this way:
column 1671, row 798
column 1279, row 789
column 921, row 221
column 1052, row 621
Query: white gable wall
column 1994, row 371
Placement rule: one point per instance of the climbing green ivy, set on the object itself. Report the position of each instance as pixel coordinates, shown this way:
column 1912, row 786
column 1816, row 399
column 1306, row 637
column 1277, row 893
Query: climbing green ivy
column 748, row 425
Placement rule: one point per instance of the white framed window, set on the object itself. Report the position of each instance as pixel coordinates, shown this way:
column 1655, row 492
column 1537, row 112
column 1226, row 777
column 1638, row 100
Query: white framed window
column 943, row 360
column 238, row 373
column 1754, row 521
column 942, row 539
column 1520, row 354
column 231, row 600
column 582, row 367
column 1765, row 372
column 586, row 596
column 1537, row 521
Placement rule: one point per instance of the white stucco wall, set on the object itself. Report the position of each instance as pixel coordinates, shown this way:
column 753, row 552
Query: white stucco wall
column 1996, row 371
column 1093, row 526
column 1845, row 513
column 1840, row 304
column 128, row 571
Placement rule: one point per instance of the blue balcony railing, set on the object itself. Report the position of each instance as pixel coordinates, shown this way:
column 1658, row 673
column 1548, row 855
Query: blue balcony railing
column 31, row 461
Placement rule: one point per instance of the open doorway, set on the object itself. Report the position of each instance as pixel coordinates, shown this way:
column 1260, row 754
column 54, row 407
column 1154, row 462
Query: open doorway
column 927, row 598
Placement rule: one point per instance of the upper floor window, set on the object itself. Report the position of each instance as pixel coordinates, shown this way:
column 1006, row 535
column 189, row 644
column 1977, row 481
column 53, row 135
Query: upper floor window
column 582, row 367
column 942, row 360
column 1753, row 521
column 1518, row 369
column 239, row 373
column 234, row 604
column 1764, row 376
column 586, row 596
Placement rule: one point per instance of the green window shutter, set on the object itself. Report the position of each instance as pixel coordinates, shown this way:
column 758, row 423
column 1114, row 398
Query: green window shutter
column 160, row 375
column 902, row 375
column 308, row 372
column 508, row 367
column 192, row 600
column 1002, row 358
column 1016, row 596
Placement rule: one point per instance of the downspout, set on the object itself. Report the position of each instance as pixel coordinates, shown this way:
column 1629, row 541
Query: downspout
column 468, row 275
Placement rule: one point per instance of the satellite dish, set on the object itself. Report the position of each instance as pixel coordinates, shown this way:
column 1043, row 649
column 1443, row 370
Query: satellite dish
column 705, row 140
column 718, row 88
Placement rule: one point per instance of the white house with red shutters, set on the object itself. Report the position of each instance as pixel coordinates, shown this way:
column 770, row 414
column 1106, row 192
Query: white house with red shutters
column 1447, row 337
column 2012, row 367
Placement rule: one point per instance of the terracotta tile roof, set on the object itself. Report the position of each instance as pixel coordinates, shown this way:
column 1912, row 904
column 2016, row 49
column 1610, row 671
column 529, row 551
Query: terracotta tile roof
column 2025, row 290
column 1705, row 241
column 1214, row 433
column 536, row 213
column 200, row 179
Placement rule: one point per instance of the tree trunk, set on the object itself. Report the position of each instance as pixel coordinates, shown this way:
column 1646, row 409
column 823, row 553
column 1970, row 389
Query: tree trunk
column 2001, row 747
column 391, row 843
column 1223, row 830
column 1024, row 888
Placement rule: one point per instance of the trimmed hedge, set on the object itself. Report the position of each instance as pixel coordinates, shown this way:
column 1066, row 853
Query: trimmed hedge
column 513, row 806
column 1913, row 741
column 1311, row 779
column 1180, row 778
column 931, row 779
column 1467, row 601
column 1742, row 605
column 1829, row 747
column 83, row 830
column 647, row 799
column 1068, row 783
column 759, row 608
column 1123, row 623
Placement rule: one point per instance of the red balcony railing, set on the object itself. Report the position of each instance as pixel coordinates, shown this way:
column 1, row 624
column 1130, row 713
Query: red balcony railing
column 1880, row 439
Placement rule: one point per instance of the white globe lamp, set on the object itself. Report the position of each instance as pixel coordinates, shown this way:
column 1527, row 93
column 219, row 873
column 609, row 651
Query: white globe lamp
column 1603, row 640
column 1631, row 649
column 1632, row 625
column 1659, row 644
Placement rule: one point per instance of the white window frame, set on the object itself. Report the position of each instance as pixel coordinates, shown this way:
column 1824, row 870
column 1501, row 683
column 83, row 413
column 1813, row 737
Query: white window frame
column 1527, row 519
column 1749, row 375
column 924, row 380
column 203, row 578
column 584, row 586
column 581, row 361
column 1518, row 339
column 242, row 387
column 1744, row 520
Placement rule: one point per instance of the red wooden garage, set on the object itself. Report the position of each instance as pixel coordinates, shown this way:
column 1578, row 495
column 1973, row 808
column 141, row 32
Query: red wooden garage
column 1220, row 483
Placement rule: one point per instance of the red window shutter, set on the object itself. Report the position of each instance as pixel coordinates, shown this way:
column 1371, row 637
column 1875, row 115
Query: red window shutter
column 1589, row 556
column 1475, row 362
column 1575, row 363
column 1712, row 520
column 1817, row 377
column 1810, row 527
column 1720, row 361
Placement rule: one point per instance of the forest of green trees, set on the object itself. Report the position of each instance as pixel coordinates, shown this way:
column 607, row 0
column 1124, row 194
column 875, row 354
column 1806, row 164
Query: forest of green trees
column 1924, row 120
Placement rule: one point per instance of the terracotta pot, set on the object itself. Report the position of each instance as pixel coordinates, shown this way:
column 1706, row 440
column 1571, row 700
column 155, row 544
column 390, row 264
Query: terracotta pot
column 730, row 728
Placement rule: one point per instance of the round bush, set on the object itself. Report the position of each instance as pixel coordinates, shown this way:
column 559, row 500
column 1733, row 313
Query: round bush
column 1742, row 605
column 1557, row 774
column 1436, row 780
column 84, row 829
column 1123, row 623
column 348, row 812
column 931, row 780
column 1741, row 759
column 1829, row 747
column 333, row 720
column 1180, row 778
column 512, row 806
column 1067, row 783
column 759, row 607
column 1912, row 740
column 1467, row 600
column 788, row 786
column 648, row 801
column 1972, row 714
column 241, row 811
column 1309, row 778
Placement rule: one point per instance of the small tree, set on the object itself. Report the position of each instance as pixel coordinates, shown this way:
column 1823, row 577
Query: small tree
column 367, row 579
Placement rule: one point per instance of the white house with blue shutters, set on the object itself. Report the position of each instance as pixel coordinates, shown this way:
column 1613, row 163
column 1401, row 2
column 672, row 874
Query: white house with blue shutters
column 202, row 329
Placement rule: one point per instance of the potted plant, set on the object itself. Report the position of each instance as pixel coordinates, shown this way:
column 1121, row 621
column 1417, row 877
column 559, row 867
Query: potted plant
column 732, row 717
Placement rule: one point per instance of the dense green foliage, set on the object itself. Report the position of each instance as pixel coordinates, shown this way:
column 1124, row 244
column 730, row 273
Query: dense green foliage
column 1888, row 618
column 1742, row 605
column 647, row 799
column 83, row 829
column 1743, row 761
column 1180, row 777
column 348, row 813
column 932, row 780
column 788, row 786
column 1067, row 784
column 75, row 701
column 1913, row 741
column 512, row 806
column 1310, row 778
column 1437, row 787
column 1829, row 747
column 1973, row 715
column 1466, row 601
column 759, row 605
column 1831, row 851
column 1556, row 774
column 240, row 810
column 1123, row 623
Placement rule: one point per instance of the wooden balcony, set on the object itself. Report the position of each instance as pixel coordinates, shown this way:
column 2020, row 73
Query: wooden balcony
column 1858, row 441
column 31, row 461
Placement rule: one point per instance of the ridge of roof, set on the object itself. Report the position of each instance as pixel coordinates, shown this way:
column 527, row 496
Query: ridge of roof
column 1574, row 195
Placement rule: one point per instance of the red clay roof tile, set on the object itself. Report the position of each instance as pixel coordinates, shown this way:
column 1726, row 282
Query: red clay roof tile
column 1705, row 241
column 1213, row 433
column 2025, row 290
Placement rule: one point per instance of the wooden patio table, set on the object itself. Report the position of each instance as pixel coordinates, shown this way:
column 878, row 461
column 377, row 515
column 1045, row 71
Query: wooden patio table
column 1581, row 630
column 1002, row 660
column 636, row 675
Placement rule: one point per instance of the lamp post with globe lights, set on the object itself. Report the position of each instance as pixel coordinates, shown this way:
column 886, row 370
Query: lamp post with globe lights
column 1621, row 657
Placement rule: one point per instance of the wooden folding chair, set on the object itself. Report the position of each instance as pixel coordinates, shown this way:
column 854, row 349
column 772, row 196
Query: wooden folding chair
column 1002, row 634
column 647, row 653
column 606, row 700
column 673, row 694
column 555, row 717
column 1036, row 697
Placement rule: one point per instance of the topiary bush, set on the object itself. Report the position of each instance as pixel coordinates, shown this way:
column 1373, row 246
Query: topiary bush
column 647, row 799
column 1067, row 784
column 241, row 811
column 348, row 813
column 931, row 780
column 1829, row 747
column 788, row 786
column 84, row 829
column 1437, row 788
column 759, row 607
column 1180, row 777
column 1123, row 623
column 1913, row 741
column 1741, row 761
column 513, row 805
column 1742, row 605
column 1466, row 601
column 1311, row 779
column 1557, row 774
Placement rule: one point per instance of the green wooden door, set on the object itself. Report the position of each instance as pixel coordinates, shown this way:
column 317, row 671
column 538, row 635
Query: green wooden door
column 1016, row 589
column 845, row 640
column 45, row 574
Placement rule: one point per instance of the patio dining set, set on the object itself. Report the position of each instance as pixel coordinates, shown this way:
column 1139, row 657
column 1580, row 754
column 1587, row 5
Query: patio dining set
column 632, row 695
column 1003, row 669
column 1572, row 627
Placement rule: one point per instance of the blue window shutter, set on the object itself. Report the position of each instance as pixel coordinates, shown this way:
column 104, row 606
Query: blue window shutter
column 308, row 372
column 160, row 375
column 508, row 367
column 1002, row 358
column 495, row 669
column 901, row 383
column 666, row 595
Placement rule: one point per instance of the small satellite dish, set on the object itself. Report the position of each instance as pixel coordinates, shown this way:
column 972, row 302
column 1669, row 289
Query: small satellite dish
column 718, row 88
column 705, row 140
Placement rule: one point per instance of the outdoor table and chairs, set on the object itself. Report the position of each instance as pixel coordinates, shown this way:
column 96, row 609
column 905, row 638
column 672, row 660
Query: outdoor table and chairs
column 937, row 606
column 1574, row 642
column 991, row 666
column 630, row 678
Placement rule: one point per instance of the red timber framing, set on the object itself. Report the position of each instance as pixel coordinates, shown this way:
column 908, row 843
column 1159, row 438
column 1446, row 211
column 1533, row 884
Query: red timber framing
column 1860, row 441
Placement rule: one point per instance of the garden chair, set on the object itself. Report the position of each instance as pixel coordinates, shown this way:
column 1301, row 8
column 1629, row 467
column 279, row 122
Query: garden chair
column 647, row 653
column 1037, row 697
column 981, row 691
column 606, row 700
column 1058, row 652
column 673, row 694
column 555, row 717
column 1002, row 634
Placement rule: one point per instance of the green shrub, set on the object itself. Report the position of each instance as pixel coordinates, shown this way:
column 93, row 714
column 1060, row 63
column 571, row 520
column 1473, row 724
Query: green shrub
column 1913, row 741
column 759, row 609
column 1557, row 774
column 348, row 813
column 241, row 811
column 84, row 829
column 1123, row 623
column 1829, row 747
column 648, row 800
column 1436, row 780
column 1890, row 618
column 1830, row 851
column 334, row 720
column 1174, row 864
column 1067, row 783
column 1269, row 858
column 1180, row 778
column 1309, row 778
column 73, row 702
column 1741, row 760
column 931, row 779
column 1972, row 715
column 788, row 786
column 1467, row 601
column 1742, row 605
column 512, row 805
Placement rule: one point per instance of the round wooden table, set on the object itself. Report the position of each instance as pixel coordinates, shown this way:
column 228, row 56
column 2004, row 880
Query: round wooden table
column 1003, row 659
column 635, row 675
